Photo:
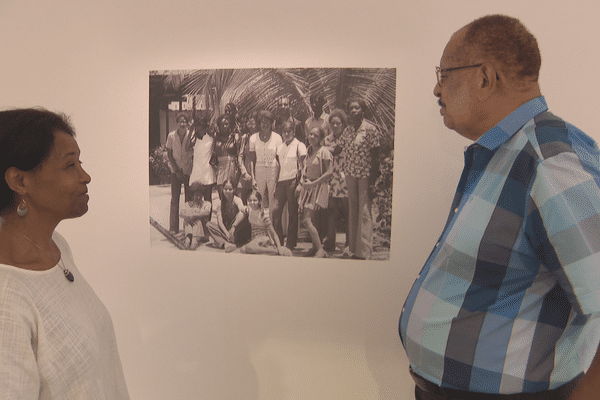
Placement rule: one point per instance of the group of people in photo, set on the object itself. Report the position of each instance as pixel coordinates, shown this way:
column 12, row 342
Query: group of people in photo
column 251, row 182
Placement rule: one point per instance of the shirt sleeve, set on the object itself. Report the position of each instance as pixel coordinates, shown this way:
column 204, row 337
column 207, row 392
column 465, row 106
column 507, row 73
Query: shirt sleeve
column 374, row 137
column 252, row 142
column 169, row 144
column 301, row 149
column 564, row 227
column 19, row 377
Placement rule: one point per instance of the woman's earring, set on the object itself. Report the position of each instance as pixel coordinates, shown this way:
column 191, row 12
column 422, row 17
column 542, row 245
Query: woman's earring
column 22, row 209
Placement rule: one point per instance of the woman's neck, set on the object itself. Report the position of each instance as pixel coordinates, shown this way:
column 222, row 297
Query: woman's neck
column 27, row 243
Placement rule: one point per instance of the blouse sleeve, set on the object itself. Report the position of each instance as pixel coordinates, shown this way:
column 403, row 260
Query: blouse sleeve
column 325, row 154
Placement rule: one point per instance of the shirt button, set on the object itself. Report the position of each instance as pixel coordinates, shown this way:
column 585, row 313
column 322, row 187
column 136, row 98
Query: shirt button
column 456, row 210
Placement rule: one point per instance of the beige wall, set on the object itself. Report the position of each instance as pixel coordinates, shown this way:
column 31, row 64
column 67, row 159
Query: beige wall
column 216, row 326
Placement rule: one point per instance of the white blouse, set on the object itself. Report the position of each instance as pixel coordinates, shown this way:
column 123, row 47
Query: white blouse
column 56, row 337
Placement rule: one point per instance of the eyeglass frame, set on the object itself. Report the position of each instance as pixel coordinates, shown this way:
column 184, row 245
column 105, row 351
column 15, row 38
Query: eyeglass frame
column 439, row 71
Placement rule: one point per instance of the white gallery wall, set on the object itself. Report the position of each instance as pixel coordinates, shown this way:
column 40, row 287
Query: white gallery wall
column 197, row 325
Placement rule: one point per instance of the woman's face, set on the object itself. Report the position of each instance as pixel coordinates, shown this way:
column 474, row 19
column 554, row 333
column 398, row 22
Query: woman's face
column 336, row 126
column 228, row 190
column 251, row 125
column 58, row 187
column 253, row 202
column 224, row 126
column 314, row 137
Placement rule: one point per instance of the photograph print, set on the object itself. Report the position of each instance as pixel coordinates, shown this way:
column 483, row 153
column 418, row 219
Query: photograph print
column 291, row 162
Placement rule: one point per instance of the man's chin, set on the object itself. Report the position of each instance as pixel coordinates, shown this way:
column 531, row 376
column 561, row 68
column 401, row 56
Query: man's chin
column 448, row 121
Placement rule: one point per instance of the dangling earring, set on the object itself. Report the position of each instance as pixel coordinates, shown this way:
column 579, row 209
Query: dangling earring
column 22, row 209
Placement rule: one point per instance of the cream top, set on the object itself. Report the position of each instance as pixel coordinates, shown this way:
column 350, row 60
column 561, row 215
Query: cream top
column 56, row 337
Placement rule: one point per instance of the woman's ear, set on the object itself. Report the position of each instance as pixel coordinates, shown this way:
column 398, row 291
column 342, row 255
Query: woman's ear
column 16, row 180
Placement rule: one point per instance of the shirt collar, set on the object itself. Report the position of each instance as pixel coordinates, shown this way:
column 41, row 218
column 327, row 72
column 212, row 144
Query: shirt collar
column 512, row 123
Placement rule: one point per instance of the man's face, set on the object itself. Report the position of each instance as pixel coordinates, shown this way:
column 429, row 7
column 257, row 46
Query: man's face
column 182, row 123
column 284, row 105
column 288, row 131
column 455, row 94
column 317, row 106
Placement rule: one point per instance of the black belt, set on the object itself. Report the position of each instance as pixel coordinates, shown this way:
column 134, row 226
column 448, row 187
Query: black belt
column 560, row 393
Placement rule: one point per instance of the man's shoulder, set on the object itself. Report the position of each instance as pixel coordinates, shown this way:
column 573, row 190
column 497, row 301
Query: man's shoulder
column 554, row 135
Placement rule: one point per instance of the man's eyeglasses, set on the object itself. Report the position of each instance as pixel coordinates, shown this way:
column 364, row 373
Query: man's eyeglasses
column 439, row 71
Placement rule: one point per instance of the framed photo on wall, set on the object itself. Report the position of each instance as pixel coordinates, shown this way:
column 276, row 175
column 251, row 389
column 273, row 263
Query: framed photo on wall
column 291, row 161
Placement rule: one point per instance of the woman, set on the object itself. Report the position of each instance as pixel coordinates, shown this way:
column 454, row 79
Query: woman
column 245, row 182
column 226, row 146
column 263, row 156
column 56, row 337
column 264, row 239
column 338, row 196
column 360, row 142
column 314, row 188
column 231, row 229
column 291, row 155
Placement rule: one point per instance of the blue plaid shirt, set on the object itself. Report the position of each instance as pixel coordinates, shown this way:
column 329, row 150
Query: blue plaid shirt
column 509, row 299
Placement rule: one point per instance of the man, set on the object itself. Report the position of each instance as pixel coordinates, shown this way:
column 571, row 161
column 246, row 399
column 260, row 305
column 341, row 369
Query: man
column 508, row 300
column 179, row 153
column 291, row 154
column 284, row 114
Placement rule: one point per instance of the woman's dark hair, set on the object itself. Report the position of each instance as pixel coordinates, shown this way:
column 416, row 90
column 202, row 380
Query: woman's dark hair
column 26, row 138
column 338, row 112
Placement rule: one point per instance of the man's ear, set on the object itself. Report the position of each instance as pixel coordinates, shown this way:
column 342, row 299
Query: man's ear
column 16, row 180
column 489, row 81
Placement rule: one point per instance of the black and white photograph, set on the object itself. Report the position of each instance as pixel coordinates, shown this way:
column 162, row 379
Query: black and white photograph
column 291, row 162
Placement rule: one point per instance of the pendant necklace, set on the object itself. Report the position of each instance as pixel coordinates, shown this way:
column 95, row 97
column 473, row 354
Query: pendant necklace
column 67, row 273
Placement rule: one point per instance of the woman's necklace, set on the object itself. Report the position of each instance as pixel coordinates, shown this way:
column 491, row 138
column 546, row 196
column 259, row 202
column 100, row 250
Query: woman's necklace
column 67, row 273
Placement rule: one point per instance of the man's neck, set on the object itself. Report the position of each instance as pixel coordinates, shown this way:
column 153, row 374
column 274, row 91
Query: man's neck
column 500, row 107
